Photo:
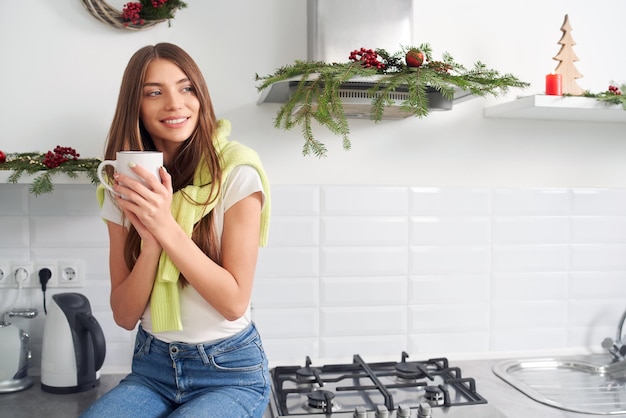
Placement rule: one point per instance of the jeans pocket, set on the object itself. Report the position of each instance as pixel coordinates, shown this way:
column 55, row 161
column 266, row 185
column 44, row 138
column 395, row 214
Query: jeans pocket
column 248, row 357
column 142, row 344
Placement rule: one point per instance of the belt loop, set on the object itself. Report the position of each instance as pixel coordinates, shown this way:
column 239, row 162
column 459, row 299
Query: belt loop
column 149, row 339
column 203, row 354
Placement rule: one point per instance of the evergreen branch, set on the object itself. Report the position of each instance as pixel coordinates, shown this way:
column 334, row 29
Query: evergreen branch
column 42, row 184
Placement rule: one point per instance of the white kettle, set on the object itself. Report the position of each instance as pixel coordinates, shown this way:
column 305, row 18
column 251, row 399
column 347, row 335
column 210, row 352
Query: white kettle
column 15, row 355
column 73, row 348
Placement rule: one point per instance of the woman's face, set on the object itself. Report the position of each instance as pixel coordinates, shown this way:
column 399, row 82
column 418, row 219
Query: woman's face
column 169, row 106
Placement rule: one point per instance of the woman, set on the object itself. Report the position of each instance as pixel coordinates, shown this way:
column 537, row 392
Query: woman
column 183, row 251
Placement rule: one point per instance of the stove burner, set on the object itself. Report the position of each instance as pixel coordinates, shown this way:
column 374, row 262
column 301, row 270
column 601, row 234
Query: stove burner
column 410, row 370
column 434, row 395
column 306, row 373
column 321, row 399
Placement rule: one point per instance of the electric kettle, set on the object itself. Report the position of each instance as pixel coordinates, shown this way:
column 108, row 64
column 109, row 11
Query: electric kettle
column 15, row 356
column 73, row 347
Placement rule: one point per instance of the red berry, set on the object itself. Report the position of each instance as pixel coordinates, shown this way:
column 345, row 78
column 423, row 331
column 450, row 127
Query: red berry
column 3, row 157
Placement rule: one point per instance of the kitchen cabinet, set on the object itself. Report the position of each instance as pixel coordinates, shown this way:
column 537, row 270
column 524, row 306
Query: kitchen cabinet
column 564, row 108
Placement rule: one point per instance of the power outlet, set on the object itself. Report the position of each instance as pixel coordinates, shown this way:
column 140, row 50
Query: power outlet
column 21, row 273
column 5, row 274
column 71, row 273
column 40, row 266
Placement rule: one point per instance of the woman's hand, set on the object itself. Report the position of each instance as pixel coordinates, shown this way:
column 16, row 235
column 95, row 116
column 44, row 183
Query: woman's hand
column 147, row 204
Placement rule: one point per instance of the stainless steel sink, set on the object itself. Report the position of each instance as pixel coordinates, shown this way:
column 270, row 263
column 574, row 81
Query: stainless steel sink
column 584, row 384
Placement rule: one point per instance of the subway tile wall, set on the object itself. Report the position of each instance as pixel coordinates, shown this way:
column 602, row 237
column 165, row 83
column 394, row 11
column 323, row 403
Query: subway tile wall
column 376, row 270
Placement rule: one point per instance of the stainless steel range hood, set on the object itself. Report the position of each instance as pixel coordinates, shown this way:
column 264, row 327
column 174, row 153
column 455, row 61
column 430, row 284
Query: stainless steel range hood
column 336, row 27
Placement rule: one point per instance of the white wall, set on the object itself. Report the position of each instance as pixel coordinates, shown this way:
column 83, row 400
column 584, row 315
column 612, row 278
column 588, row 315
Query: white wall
column 59, row 75
column 61, row 70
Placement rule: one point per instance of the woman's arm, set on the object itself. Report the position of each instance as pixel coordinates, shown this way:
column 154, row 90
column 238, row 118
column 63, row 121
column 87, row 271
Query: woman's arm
column 130, row 290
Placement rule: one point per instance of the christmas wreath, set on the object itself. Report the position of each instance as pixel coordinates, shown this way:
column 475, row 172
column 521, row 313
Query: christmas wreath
column 63, row 160
column 316, row 97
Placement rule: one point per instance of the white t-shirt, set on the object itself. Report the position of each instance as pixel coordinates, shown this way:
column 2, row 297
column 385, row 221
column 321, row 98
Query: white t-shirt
column 201, row 322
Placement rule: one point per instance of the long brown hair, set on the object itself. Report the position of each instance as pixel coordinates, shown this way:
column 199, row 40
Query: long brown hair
column 128, row 133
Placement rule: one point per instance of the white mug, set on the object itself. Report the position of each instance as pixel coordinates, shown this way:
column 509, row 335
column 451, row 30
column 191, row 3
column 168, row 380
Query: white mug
column 150, row 160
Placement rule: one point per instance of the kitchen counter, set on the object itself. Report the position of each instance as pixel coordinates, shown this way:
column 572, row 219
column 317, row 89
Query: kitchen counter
column 34, row 403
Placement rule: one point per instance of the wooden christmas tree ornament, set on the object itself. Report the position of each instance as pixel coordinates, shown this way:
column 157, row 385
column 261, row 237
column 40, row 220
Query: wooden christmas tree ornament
column 567, row 58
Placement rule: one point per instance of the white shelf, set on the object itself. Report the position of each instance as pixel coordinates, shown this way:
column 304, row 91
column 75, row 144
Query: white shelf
column 59, row 178
column 584, row 109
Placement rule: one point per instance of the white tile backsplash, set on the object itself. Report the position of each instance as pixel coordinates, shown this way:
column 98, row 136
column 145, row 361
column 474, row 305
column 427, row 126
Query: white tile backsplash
column 453, row 343
column 13, row 200
column 364, row 230
column 342, row 349
column 529, row 314
column 363, row 261
column 448, row 289
column 532, row 286
column 604, row 202
column 15, row 232
column 364, row 200
column 68, row 231
column 529, row 339
column 373, row 291
column 531, row 258
column 598, row 229
column 598, row 257
column 449, row 319
column 376, row 270
column 537, row 202
column 519, row 230
column 359, row 321
column 450, row 259
column 294, row 230
column 435, row 201
column 450, row 230
column 598, row 285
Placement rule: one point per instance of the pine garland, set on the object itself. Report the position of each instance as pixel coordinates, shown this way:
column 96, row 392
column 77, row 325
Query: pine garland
column 614, row 95
column 33, row 163
column 317, row 95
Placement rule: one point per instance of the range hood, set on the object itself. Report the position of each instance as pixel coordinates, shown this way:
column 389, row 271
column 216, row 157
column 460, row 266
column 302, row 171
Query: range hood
column 336, row 27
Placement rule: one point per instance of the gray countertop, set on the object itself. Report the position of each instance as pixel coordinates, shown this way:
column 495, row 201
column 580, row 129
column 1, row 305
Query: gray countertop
column 34, row 403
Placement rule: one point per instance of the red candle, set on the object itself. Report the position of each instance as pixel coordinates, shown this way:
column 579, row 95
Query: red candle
column 554, row 84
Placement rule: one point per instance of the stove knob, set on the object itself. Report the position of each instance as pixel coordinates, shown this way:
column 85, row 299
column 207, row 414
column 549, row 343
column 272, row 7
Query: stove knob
column 359, row 412
column 403, row 411
column 382, row 412
column 424, row 410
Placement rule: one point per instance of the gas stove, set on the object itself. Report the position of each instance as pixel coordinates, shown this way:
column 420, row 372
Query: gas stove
column 396, row 389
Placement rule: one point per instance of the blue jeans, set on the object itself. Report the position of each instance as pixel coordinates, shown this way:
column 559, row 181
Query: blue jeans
column 226, row 379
